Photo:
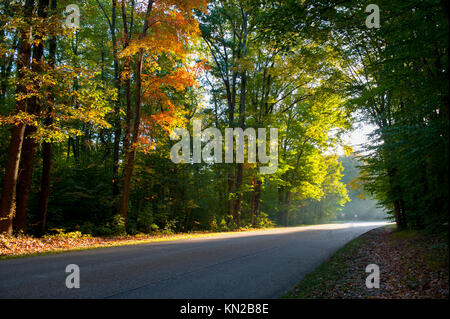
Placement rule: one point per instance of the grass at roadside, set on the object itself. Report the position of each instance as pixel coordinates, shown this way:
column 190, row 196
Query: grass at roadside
column 412, row 265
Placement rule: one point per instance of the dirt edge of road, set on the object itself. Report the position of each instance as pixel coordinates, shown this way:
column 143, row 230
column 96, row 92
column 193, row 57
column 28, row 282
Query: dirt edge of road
column 27, row 246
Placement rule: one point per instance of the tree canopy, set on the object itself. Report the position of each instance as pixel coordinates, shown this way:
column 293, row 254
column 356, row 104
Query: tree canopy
column 86, row 113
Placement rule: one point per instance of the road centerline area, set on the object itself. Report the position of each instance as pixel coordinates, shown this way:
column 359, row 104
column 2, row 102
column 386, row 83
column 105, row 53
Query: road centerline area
column 262, row 264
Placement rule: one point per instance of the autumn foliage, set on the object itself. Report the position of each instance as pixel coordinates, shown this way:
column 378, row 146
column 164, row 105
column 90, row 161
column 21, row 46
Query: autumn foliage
column 169, row 68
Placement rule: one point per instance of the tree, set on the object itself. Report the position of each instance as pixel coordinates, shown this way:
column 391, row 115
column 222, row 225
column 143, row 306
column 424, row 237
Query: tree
column 7, row 205
column 43, row 93
column 171, row 29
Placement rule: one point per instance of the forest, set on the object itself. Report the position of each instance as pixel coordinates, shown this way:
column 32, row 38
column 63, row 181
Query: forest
column 91, row 91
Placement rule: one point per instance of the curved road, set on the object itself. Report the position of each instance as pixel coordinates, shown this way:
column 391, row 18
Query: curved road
column 260, row 264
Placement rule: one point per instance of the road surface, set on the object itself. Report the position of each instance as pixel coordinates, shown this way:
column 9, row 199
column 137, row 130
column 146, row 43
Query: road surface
column 260, row 264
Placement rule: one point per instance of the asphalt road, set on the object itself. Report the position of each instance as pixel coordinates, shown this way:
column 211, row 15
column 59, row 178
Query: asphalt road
column 261, row 264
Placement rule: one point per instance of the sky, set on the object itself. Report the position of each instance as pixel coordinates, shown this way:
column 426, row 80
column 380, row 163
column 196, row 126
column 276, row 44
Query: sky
column 358, row 137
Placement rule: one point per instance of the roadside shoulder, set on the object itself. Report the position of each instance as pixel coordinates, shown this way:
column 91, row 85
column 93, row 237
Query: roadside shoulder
column 412, row 265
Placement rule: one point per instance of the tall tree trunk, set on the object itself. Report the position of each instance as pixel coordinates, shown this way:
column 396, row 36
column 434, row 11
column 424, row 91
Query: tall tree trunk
column 129, row 163
column 7, row 205
column 127, row 37
column 284, row 202
column 74, row 142
column 47, row 146
column 29, row 145
column 238, row 204
column 403, row 220
column 26, row 168
column 7, row 201
column 240, row 166
column 253, row 203
column 287, row 203
column 45, row 183
column 280, row 205
column 230, row 199
column 242, row 100
column 397, row 215
column 117, row 122
column 256, row 200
